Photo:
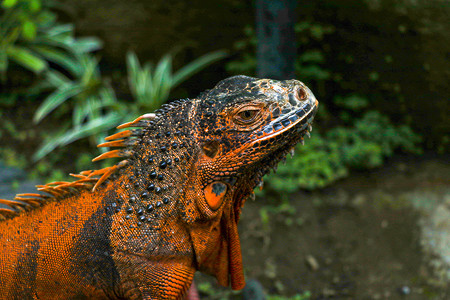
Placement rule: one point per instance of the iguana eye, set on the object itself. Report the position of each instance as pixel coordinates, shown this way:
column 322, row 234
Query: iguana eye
column 247, row 115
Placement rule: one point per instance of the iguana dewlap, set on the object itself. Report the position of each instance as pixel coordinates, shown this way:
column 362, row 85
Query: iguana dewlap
column 141, row 228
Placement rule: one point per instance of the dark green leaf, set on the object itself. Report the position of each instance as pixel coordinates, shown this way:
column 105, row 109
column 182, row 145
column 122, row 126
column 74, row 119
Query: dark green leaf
column 35, row 5
column 91, row 128
column 57, row 56
column 87, row 45
column 9, row 3
column 29, row 30
column 55, row 99
column 196, row 65
column 26, row 59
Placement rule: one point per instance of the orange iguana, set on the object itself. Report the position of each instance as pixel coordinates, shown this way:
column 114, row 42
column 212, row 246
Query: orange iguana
column 141, row 228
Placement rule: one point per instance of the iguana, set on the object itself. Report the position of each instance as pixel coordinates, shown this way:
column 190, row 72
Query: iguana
column 142, row 227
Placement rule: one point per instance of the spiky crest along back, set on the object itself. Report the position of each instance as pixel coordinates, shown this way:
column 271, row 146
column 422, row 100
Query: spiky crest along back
column 143, row 148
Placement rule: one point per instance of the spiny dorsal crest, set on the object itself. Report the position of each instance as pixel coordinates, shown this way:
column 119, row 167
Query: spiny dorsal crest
column 126, row 143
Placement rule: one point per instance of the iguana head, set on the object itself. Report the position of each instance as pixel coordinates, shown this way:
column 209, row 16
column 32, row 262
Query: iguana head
column 243, row 127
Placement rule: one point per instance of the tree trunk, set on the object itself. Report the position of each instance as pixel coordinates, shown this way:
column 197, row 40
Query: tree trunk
column 276, row 49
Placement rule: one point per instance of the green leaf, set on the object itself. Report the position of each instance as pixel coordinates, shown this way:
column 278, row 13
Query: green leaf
column 196, row 65
column 56, row 99
column 90, row 73
column 35, row 5
column 60, row 30
column 140, row 80
column 29, row 30
column 108, row 96
column 87, row 45
column 46, row 19
column 56, row 79
column 312, row 56
column 162, row 79
column 9, row 3
column 78, row 114
column 3, row 61
column 57, row 56
column 26, row 59
column 353, row 102
column 58, row 36
column 93, row 104
column 9, row 99
column 132, row 63
column 12, row 36
column 91, row 128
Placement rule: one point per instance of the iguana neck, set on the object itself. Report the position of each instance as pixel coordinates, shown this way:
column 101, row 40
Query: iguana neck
column 151, row 188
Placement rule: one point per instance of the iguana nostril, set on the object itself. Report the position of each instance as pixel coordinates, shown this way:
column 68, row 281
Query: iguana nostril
column 301, row 94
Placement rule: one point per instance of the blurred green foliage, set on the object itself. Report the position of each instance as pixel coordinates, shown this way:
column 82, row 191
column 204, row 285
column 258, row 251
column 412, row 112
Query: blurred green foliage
column 65, row 67
column 31, row 37
column 69, row 73
column 95, row 105
column 326, row 158
column 151, row 85
column 349, row 133
column 303, row 296
column 19, row 22
column 212, row 292
column 358, row 138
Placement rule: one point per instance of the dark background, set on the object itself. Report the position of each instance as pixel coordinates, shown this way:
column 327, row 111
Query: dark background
column 413, row 33
column 361, row 212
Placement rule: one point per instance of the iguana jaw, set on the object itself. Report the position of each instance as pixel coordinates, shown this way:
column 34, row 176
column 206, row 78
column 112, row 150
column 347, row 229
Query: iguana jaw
column 298, row 120
column 275, row 140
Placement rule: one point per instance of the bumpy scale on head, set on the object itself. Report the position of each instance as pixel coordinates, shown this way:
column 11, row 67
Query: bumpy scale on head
column 248, row 125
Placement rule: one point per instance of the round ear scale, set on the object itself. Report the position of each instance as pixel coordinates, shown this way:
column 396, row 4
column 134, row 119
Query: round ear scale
column 214, row 194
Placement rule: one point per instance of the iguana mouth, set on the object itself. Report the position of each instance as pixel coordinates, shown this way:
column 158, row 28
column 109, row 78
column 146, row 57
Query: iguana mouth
column 291, row 129
column 300, row 118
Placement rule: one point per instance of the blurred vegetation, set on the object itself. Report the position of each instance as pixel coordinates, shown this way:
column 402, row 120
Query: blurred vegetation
column 66, row 84
column 55, row 79
column 68, row 72
column 359, row 138
column 211, row 291
column 32, row 38
column 96, row 107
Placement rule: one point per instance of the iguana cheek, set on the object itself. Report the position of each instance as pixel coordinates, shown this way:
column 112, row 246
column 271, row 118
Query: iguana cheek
column 215, row 193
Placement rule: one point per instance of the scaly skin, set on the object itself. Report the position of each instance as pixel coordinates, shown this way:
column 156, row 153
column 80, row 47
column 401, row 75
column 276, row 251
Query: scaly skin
column 143, row 228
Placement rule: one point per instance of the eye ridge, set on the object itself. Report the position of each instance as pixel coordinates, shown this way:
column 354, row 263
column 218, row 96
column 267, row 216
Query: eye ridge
column 247, row 116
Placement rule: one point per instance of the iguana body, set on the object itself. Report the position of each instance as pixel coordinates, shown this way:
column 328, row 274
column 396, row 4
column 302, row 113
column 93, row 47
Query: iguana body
column 143, row 228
